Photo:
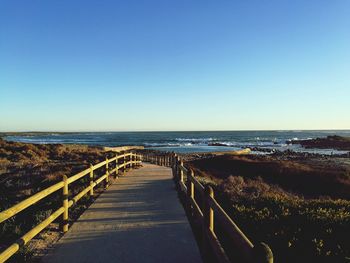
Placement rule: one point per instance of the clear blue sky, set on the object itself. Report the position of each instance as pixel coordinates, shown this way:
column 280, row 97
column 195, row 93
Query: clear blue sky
column 174, row 65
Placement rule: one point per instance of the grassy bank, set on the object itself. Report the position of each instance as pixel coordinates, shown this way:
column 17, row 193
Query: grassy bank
column 26, row 169
column 298, row 207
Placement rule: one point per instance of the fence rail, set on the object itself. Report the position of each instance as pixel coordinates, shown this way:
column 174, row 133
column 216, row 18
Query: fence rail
column 199, row 202
column 130, row 160
column 209, row 214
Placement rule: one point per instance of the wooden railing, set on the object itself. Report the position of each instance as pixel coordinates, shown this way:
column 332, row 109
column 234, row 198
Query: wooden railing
column 124, row 161
column 203, row 208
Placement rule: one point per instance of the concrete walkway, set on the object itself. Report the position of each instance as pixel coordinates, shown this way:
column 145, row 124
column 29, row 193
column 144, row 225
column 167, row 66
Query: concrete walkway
column 138, row 219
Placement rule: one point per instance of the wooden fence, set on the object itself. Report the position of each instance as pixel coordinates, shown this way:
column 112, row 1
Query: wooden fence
column 209, row 216
column 124, row 161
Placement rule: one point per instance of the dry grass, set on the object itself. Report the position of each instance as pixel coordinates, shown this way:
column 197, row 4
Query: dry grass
column 300, row 208
column 26, row 169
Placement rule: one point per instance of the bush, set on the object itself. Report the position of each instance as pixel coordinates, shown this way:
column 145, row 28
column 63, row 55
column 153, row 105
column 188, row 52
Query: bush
column 296, row 229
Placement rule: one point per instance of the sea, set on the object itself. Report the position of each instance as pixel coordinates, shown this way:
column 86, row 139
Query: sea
column 261, row 142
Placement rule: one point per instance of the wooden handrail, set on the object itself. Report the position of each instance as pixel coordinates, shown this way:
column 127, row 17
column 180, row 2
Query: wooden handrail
column 10, row 212
column 96, row 166
column 78, row 176
column 29, row 235
column 135, row 159
column 183, row 168
column 197, row 184
column 232, row 229
column 210, row 209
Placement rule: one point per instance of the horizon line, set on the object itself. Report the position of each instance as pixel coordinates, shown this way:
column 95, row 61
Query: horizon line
column 238, row 130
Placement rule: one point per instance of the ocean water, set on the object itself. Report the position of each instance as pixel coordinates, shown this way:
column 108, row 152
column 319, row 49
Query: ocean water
column 185, row 142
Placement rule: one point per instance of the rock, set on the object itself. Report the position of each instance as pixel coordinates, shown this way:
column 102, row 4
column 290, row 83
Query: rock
column 330, row 142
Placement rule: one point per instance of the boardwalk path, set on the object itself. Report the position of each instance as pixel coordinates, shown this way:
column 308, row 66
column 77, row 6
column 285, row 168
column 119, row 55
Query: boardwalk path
column 138, row 219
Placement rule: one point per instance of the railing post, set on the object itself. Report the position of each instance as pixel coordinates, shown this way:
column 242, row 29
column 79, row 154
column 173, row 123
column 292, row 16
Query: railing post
column 116, row 166
column 65, row 205
column 208, row 211
column 174, row 165
column 124, row 162
column 91, row 180
column 190, row 190
column 174, row 157
column 107, row 173
column 181, row 172
column 208, row 222
column 177, row 172
column 132, row 160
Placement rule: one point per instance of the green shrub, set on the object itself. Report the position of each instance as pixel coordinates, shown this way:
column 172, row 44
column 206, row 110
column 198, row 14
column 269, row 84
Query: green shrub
column 297, row 229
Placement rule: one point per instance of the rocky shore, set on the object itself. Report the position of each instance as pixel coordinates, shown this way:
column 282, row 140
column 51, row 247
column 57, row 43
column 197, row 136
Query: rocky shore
column 330, row 142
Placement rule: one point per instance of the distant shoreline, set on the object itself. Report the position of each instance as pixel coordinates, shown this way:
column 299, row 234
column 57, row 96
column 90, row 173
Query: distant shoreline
column 260, row 142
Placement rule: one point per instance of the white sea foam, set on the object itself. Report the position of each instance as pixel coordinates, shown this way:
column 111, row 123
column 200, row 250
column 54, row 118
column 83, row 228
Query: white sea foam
column 185, row 142
column 195, row 139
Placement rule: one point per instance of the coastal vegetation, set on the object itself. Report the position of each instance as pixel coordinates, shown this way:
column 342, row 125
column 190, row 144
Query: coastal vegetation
column 26, row 169
column 300, row 207
column 298, row 203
